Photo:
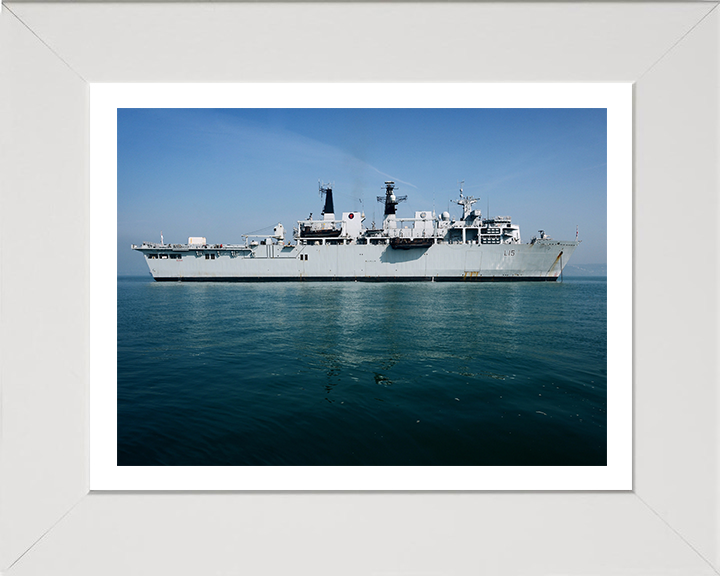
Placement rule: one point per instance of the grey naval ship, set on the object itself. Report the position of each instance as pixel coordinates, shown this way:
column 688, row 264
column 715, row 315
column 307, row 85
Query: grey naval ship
column 426, row 247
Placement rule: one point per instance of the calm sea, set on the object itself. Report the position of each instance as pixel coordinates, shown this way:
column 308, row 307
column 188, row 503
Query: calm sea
column 362, row 373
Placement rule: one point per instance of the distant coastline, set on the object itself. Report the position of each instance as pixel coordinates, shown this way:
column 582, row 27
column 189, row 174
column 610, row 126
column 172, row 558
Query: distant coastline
column 585, row 270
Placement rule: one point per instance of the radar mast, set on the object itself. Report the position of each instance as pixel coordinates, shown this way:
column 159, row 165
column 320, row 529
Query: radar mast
column 391, row 201
column 466, row 202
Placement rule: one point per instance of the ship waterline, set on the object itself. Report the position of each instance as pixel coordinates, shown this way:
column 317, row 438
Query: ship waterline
column 428, row 247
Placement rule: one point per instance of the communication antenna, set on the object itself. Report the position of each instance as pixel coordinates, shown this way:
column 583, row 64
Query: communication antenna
column 162, row 241
column 322, row 186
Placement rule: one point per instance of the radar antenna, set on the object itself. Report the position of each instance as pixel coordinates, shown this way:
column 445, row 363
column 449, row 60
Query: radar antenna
column 391, row 201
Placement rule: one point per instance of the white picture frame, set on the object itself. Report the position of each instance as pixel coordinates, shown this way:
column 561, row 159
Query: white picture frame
column 49, row 522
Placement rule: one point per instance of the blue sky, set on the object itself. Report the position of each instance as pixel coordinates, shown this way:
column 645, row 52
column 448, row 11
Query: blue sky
column 221, row 173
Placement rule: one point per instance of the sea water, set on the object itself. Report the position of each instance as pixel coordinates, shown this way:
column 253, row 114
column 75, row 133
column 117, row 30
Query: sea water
column 345, row 373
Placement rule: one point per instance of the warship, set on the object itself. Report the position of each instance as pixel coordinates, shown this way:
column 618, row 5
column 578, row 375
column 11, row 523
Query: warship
column 426, row 247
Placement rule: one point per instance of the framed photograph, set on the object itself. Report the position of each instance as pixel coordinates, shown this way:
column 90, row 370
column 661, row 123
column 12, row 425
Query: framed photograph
column 535, row 418
column 61, row 512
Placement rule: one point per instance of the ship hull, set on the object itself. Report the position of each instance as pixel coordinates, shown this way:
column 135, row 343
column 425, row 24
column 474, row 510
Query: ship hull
column 542, row 260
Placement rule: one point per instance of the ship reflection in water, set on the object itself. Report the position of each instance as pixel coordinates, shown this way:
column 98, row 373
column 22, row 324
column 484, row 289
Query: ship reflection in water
column 362, row 374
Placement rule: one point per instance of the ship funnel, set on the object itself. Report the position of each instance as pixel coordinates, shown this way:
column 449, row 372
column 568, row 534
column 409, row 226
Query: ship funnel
column 326, row 190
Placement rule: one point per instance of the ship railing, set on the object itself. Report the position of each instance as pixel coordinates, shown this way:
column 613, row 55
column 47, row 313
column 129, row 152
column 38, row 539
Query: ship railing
column 310, row 222
column 414, row 219
column 498, row 219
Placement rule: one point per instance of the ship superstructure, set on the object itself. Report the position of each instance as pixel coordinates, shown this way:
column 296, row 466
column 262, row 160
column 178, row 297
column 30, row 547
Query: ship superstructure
column 426, row 247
